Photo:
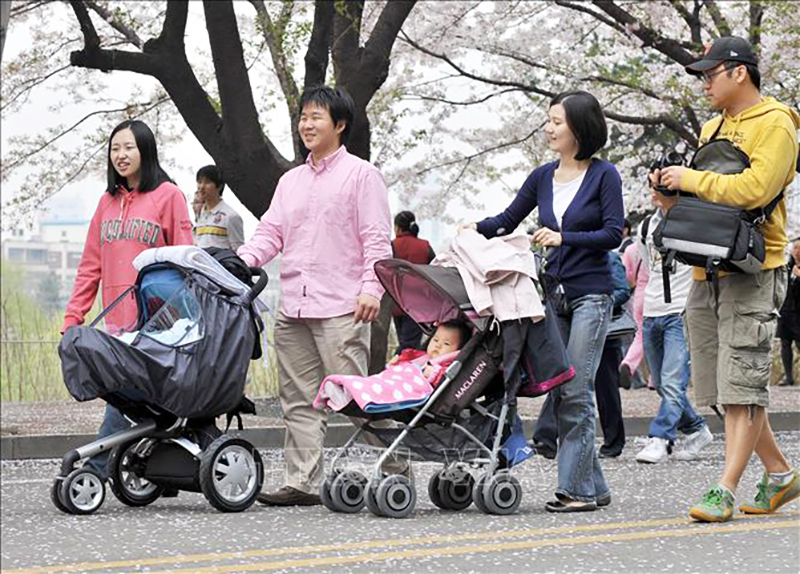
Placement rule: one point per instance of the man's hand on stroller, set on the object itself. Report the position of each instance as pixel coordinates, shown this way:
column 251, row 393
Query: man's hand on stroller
column 367, row 308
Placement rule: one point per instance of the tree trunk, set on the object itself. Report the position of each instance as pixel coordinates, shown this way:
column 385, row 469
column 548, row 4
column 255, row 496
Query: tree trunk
column 5, row 12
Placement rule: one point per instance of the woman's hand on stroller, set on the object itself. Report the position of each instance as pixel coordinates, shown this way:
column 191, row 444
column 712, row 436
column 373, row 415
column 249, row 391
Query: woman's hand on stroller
column 367, row 308
column 471, row 225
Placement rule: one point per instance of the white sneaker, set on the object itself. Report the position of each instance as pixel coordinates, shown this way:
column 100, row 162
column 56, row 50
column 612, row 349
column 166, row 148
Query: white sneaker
column 654, row 452
column 694, row 443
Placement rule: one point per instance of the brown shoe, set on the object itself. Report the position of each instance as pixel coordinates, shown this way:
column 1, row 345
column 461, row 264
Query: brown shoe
column 288, row 496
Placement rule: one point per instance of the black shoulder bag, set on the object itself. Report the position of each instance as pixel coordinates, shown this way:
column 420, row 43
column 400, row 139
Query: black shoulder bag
column 712, row 235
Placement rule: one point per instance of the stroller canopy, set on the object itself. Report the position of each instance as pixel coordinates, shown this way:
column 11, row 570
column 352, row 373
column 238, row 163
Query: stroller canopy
column 429, row 294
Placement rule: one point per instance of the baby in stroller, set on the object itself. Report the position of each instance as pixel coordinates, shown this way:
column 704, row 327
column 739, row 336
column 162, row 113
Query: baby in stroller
column 440, row 350
column 407, row 381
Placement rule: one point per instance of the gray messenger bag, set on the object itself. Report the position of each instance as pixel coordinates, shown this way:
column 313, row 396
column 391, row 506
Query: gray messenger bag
column 712, row 235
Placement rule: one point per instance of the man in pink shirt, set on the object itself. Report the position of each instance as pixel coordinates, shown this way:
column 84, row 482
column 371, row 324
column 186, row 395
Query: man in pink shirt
column 330, row 220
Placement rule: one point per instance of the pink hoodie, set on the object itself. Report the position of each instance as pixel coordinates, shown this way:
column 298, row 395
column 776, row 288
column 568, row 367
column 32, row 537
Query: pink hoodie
column 122, row 227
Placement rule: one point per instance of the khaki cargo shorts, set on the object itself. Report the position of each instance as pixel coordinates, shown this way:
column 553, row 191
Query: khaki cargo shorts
column 731, row 342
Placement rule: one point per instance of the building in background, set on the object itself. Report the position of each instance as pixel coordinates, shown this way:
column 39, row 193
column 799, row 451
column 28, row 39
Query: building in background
column 49, row 253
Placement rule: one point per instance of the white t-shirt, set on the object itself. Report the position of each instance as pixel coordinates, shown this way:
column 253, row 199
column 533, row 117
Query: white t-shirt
column 219, row 227
column 679, row 282
column 563, row 194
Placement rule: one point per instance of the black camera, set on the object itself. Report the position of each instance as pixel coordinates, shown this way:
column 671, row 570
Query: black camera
column 667, row 160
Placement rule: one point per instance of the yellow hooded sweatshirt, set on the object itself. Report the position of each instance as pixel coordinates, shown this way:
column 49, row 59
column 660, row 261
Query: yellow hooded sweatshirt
column 767, row 133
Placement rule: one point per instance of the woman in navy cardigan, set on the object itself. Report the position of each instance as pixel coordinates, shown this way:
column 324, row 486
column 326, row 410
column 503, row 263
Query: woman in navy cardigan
column 581, row 217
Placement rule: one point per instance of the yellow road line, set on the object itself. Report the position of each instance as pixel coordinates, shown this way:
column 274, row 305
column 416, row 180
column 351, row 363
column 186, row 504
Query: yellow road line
column 482, row 548
column 370, row 544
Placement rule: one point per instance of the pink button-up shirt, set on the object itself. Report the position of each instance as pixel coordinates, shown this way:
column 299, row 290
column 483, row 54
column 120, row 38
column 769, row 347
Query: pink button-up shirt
column 331, row 222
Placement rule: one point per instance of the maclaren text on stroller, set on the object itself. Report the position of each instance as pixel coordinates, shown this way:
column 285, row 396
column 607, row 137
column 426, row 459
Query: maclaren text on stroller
column 464, row 424
column 185, row 365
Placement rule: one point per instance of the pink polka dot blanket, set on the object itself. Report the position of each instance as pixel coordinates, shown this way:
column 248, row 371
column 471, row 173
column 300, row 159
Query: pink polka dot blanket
column 399, row 386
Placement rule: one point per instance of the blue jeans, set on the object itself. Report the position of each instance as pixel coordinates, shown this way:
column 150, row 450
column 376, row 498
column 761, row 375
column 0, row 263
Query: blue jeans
column 668, row 358
column 113, row 422
column 579, row 473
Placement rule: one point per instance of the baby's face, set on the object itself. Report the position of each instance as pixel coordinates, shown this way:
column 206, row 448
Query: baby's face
column 445, row 340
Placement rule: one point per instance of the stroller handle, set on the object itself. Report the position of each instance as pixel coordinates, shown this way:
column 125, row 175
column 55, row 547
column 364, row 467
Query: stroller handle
column 263, row 279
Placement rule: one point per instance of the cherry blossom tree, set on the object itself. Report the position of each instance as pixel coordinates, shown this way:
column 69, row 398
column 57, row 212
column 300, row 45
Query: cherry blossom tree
column 255, row 60
column 499, row 63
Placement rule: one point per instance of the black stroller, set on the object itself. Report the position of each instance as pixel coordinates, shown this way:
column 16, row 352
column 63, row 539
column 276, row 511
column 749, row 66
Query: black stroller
column 466, row 424
column 184, row 365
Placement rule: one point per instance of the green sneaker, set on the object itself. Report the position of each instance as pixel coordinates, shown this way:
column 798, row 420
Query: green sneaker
column 716, row 506
column 771, row 497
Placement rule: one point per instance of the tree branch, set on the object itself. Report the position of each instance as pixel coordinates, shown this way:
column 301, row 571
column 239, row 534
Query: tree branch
column 581, row 8
column 115, row 23
column 379, row 46
column 316, row 58
column 345, row 50
column 467, row 103
column 756, row 15
column 239, row 114
column 274, row 36
column 91, row 40
column 145, row 108
column 717, row 17
column 625, row 84
column 691, row 18
column 469, row 158
column 502, row 83
column 31, row 83
column 649, row 37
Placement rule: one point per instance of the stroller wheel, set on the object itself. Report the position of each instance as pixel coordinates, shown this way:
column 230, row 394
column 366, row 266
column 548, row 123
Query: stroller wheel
column 502, row 493
column 325, row 491
column 125, row 469
column 396, row 496
column 55, row 495
column 347, row 491
column 455, row 488
column 82, row 491
column 433, row 491
column 478, row 493
column 371, row 495
column 231, row 474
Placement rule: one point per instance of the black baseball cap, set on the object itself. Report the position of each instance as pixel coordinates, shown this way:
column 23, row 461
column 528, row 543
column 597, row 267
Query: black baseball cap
column 725, row 49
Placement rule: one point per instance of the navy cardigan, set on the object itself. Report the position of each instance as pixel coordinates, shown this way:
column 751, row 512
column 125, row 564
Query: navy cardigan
column 592, row 225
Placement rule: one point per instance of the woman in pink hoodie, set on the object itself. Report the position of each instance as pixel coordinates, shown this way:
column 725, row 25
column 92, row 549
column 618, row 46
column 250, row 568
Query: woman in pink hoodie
column 142, row 208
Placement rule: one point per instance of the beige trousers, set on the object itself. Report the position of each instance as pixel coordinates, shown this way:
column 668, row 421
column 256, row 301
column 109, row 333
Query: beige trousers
column 307, row 351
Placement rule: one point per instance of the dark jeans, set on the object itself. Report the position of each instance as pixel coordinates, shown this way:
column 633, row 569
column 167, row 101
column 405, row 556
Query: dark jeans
column 113, row 422
column 787, row 358
column 609, row 405
column 409, row 334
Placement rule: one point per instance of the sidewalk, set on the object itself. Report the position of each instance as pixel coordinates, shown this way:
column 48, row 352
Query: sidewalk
column 45, row 430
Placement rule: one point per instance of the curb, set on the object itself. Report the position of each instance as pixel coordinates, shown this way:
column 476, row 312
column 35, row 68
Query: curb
column 55, row 446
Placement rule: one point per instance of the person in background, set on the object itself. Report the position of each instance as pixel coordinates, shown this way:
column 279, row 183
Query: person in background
column 141, row 208
column 217, row 224
column 408, row 246
column 609, row 403
column 667, row 353
column 789, row 321
column 638, row 276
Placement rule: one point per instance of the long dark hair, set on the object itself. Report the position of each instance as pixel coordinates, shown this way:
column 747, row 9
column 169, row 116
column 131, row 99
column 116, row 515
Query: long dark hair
column 406, row 222
column 151, row 173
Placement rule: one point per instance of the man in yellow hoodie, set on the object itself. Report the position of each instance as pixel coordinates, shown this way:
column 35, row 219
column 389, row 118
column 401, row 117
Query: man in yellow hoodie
column 730, row 337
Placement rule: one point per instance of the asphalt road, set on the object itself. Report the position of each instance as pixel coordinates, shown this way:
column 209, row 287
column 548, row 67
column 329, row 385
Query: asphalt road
column 645, row 529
